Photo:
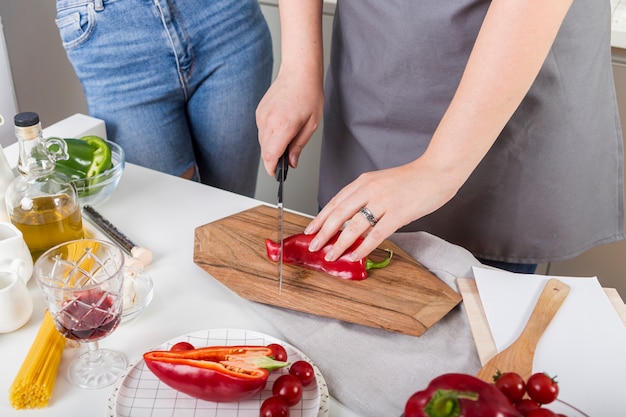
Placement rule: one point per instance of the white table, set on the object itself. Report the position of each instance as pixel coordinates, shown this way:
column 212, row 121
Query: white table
column 159, row 212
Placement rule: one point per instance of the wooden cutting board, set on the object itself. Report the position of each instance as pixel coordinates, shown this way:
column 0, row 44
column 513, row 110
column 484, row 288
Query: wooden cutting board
column 479, row 325
column 403, row 297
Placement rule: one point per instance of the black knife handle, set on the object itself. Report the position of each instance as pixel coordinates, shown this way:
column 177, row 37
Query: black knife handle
column 283, row 166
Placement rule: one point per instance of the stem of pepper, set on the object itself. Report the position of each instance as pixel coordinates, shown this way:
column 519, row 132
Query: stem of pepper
column 369, row 264
column 445, row 403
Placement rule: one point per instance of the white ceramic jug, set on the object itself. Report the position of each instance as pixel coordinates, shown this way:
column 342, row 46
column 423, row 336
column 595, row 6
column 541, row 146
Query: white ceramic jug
column 14, row 253
column 16, row 305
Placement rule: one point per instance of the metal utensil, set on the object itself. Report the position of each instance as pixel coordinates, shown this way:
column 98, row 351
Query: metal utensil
column 142, row 254
column 281, row 176
column 518, row 357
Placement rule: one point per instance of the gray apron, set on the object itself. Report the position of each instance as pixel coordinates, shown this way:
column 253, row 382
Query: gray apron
column 550, row 188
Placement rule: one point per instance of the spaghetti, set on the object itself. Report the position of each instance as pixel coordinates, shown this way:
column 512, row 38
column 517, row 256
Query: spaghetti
column 32, row 387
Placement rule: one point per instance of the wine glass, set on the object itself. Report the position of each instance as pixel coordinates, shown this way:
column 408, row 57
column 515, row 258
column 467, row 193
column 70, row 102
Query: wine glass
column 82, row 283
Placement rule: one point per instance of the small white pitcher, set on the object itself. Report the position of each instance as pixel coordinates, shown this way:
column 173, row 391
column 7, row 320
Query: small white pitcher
column 16, row 305
column 14, row 253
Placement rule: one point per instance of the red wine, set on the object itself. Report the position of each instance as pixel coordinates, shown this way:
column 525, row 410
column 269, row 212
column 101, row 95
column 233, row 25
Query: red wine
column 89, row 316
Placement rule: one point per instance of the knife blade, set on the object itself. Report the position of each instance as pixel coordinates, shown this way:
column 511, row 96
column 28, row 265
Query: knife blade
column 281, row 176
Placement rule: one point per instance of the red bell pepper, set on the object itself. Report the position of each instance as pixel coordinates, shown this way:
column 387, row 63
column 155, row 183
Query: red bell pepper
column 296, row 251
column 215, row 373
column 459, row 395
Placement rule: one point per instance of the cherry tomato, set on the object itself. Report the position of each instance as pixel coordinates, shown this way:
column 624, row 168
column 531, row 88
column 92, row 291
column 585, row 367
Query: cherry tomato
column 303, row 371
column 274, row 407
column 512, row 385
column 289, row 388
column 541, row 388
column 182, row 346
column 541, row 412
column 525, row 406
column 280, row 354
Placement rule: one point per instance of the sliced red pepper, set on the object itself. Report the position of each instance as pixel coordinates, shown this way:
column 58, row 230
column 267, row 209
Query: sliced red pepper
column 459, row 395
column 215, row 373
column 296, row 251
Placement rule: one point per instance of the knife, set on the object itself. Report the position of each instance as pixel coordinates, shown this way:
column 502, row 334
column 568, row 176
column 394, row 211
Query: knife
column 281, row 176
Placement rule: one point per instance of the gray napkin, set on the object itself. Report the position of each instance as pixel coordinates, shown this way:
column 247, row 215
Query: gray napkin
column 372, row 371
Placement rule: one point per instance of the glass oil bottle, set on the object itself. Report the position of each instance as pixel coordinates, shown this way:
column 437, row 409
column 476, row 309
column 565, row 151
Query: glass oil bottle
column 43, row 205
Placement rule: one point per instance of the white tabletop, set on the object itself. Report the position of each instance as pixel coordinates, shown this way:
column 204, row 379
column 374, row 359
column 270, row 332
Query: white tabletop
column 159, row 212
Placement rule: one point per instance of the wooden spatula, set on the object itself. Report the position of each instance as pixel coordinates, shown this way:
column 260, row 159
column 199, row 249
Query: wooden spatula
column 518, row 357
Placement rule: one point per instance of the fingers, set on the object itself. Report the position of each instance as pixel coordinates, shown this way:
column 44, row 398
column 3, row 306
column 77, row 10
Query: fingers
column 275, row 134
column 271, row 153
column 358, row 225
column 275, row 147
column 373, row 206
column 355, row 216
column 285, row 119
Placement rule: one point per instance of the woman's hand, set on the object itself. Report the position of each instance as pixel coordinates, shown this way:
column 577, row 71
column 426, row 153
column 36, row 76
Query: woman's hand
column 291, row 109
column 288, row 115
column 395, row 196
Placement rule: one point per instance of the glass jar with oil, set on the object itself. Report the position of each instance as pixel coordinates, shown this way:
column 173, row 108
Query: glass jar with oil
column 42, row 204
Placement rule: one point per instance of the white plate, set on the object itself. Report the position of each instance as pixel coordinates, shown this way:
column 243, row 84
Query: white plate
column 141, row 394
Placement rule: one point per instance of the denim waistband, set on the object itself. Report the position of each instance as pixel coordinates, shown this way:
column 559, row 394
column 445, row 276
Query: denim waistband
column 98, row 4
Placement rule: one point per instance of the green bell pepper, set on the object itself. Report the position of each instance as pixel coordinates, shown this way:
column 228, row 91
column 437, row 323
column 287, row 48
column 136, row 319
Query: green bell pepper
column 88, row 156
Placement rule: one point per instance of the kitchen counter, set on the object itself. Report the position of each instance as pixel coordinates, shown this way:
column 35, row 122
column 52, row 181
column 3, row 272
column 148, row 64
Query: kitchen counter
column 159, row 212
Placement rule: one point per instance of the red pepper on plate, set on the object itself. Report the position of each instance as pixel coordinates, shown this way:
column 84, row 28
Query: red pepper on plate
column 296, row 251
column 215, row 373
column 459, row 395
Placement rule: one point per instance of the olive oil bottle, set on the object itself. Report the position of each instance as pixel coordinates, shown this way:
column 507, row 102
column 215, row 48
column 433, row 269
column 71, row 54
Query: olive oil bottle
column 43, row 205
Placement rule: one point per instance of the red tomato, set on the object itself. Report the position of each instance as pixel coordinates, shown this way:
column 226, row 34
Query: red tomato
column 303, row 371
column 280, row 354
column 512, row 385
column 541, row 412
column 541, row 388
column 274, row 407
column 525, row 406
column 289, row 388
column 182, row 346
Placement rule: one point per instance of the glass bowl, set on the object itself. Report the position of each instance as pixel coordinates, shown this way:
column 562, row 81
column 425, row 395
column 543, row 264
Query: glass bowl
column 564, row 408
column 138, row 292
column 97, row 189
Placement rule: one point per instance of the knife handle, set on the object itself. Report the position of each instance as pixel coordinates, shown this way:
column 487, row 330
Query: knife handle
column 283, row 166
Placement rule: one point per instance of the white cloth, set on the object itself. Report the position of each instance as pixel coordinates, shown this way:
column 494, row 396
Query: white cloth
column 372, row 371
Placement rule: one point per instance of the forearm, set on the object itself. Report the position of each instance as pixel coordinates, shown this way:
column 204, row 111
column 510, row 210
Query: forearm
column 291, row 109
column 511, row 47
column 301, row 37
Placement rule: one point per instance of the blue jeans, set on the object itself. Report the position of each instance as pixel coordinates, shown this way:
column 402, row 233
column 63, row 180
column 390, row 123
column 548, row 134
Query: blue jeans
column 176, row 81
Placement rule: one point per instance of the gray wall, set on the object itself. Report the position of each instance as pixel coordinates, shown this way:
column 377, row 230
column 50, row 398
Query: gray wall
column 43, row 78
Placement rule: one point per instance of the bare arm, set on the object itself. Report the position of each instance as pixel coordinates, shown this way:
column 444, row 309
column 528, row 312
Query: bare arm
column 510, row 49
column 291, row 109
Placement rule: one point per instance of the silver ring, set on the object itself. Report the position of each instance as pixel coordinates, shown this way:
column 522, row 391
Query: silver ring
column 368, row 215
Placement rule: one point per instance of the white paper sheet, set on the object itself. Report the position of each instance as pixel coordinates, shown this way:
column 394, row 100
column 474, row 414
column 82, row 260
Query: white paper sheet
column 584, row 345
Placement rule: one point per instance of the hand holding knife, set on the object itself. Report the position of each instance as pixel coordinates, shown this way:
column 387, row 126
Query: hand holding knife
column 281, row 176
